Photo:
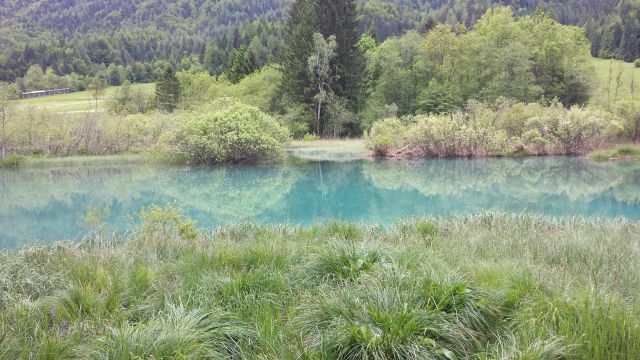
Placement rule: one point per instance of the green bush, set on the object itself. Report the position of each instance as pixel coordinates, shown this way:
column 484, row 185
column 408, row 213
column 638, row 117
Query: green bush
column 637, row 63
column 386, row 135
column 11, row 161
column 310, row 137
column 502, row 129
column 236, row 133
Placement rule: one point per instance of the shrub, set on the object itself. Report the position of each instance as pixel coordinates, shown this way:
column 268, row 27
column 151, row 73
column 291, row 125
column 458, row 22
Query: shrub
column 310, row 137
column 11, row 161
column 637, row 63
column 237, row 133
column 386, row 135
column 505, row 128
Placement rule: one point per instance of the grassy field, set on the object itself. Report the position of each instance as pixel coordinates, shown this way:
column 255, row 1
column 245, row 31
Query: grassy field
column 606, row 82
column 489, row 286
column 338, row 149
column 80, row 101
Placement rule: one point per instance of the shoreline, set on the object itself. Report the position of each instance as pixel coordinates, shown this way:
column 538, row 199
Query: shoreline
column 322, row 150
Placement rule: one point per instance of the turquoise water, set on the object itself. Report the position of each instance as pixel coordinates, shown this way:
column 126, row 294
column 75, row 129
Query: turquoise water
column 47, row 204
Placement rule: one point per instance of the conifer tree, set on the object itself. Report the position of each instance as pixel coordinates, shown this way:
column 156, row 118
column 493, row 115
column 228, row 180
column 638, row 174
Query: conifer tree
column 330, row 18
column 339, row 18
column 301, row 25
column 168, row 91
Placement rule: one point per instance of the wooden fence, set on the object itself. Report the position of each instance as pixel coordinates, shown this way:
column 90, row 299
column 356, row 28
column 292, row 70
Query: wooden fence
column 40, row 93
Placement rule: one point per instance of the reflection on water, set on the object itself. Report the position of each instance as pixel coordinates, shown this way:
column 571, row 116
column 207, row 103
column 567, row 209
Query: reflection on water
column 45, row 204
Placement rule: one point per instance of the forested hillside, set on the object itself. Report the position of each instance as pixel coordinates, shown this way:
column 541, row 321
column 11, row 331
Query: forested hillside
column 86, row 37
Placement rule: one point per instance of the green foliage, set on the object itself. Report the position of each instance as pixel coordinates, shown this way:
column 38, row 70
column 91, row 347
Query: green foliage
column 385, row 136
column 166, row 221
column 627, row 152
column 178, row 333
column 531, row 58
column 242, row 63
column 504, row 129
column 168, row 91
column 236, row 133
column 340, row 260
column 310, row 137
column 125, row 100
column 11, row 161
column 315, row 69
column 637, row 63
column 427, row 229
column 487, row 286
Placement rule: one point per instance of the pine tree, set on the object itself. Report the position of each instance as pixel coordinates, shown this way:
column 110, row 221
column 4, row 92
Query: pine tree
column 168, row 91
column 301, row 25
column 339, row 18
column 241, row 64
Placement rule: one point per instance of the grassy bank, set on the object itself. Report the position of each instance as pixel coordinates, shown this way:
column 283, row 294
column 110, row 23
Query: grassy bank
column 15, row 161
column 490, row 286
column 620, row 152
column 328, row 149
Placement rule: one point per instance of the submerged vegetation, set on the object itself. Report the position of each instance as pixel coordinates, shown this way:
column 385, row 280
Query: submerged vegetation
column 488, row 286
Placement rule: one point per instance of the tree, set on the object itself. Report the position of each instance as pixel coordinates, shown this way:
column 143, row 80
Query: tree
column 122, row 100
column 241, row 64
column 5, row 112
column 347, row 69
column 114, row 75
column 34, row 79
column 296, row 85
column 339, row 18
column 168, row 91
column 97, row 89
column 319, row 69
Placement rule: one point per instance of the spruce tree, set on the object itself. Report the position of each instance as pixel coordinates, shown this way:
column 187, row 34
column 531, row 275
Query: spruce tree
column 296, row 86
column 168, row 91
column 339, row 18
column 327, row 17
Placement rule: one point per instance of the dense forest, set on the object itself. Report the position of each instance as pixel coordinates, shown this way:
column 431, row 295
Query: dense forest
column 139, row 39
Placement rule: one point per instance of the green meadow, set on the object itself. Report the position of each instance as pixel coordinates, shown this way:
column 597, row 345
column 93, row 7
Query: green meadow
column 487, row 286
column 75, row 102
column 614, row 81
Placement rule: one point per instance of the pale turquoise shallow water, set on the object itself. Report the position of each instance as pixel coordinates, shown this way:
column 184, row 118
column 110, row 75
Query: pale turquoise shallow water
column 46, row 204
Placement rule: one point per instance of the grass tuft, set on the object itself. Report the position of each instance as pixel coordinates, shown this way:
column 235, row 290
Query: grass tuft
column 487, row 286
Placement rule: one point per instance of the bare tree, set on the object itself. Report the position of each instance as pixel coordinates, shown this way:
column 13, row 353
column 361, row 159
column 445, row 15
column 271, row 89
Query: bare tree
column 5, row 112
column 97, row 89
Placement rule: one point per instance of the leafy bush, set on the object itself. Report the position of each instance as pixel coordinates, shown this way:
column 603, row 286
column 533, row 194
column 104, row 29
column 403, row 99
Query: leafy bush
column 637, row 63
column 310, row 137
column 505, row 128
column 11, row 161
column 386, row 135
column 236, row 133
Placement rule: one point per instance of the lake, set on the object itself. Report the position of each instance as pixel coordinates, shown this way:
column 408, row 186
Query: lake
column 48, row 203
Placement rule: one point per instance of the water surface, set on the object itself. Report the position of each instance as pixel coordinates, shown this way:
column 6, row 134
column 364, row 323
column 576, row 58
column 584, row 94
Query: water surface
column 47, row 204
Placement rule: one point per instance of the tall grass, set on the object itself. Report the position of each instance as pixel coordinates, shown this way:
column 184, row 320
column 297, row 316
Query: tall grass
column 488, row 286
